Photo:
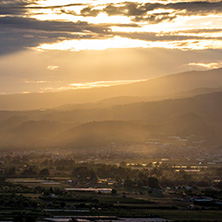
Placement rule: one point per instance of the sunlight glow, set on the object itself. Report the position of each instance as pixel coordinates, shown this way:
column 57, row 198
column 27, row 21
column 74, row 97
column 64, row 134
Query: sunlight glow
column 94, row 44
column 35, row 82
column 103, row 83
column 89, row 85
column 101, row 18
column 180, row 23
column 212, row 65
column 188, row 44
column 52, row 67
column 92, row 2
column 118, row 42
column 176, row 24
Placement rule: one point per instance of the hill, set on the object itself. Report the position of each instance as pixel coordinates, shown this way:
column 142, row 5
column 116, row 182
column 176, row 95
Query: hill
column 156, row 89
column 199, row 116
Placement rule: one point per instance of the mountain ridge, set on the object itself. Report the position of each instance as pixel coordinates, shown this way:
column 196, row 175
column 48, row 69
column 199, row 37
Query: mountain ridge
column 154, row 88
column 123, row 124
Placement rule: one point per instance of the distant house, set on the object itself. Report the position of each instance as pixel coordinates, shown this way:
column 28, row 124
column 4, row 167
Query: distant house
column 97, row 190
column 201, row 199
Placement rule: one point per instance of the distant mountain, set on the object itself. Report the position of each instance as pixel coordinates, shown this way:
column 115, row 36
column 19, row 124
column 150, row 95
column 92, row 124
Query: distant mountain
column 190, row 124
column 123, row 100
column 32, row 134
column 12, row 121
column 207, row 105
column 37, row 127
column 104, row 133
column 199, row 116
column 156, row 89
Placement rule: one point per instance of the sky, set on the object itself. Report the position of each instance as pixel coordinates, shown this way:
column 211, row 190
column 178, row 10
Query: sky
column 53, row 45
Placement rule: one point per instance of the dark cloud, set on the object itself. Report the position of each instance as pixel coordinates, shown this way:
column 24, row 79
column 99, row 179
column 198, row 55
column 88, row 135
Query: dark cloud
column 90, row 12
column 20, row 40
column 18, row 33
column 139, row 11
column 34, row 24
column 14, row 7
column 15, row 2
column 129, row 9
column 133, row 9
column 113, row 10
column 155, row 18
column 150, row 36
column 197, row 31
column 56, row 6
column 21, row 7
column 125, row 25
column 196, row 7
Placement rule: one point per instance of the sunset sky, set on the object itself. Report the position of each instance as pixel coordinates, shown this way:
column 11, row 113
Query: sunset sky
column 51, row 45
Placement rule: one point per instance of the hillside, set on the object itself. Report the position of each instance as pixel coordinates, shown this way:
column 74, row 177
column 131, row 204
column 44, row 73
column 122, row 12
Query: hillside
column 199, row 116
column 169, row 86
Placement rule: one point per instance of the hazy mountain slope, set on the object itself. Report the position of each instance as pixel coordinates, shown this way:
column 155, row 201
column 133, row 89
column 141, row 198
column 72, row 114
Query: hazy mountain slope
column 105, row 132
column 155, row 88
column 126, row 124
column 190, row 124
column 37, row 127
column 123, row 100
column 113, row 101
column 194, row 92
column 12, row 121
column 208, row 105
column 96, row 134
column 32, row 134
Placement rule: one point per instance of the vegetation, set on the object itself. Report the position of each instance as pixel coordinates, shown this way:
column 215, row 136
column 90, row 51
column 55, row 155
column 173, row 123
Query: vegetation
column 36, row 188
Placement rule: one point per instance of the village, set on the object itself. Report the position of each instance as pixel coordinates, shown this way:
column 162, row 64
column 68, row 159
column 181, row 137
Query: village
column 52, row 186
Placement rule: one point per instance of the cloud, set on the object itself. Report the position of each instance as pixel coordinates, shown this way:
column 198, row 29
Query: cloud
column 93, row 66
column 96, row 84
column 14, row 7
column 168, row 36
column 155, row 18
column 34, row 24
column 196, row 8
column 12, row 41
column 199, row 31
column 136, row 9
column 103, row 83
column 90, row 12
column 19, row 33
column 35, row 82
column 21, row 7
column 52, row 67
column 211, row 65
column 139, row 11
column 94, row 44
column 131, row 9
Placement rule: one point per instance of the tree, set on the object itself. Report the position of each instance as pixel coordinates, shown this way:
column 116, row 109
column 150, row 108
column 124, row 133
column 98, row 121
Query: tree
column 84, row 173
column 44, row 172
column 128, row 182
column 153, row 182
column 30, row 171
column 30, row 219
column 11, row 171
column 123, row 164
column 62, row 204
column 114, row 191
column 18, row 218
